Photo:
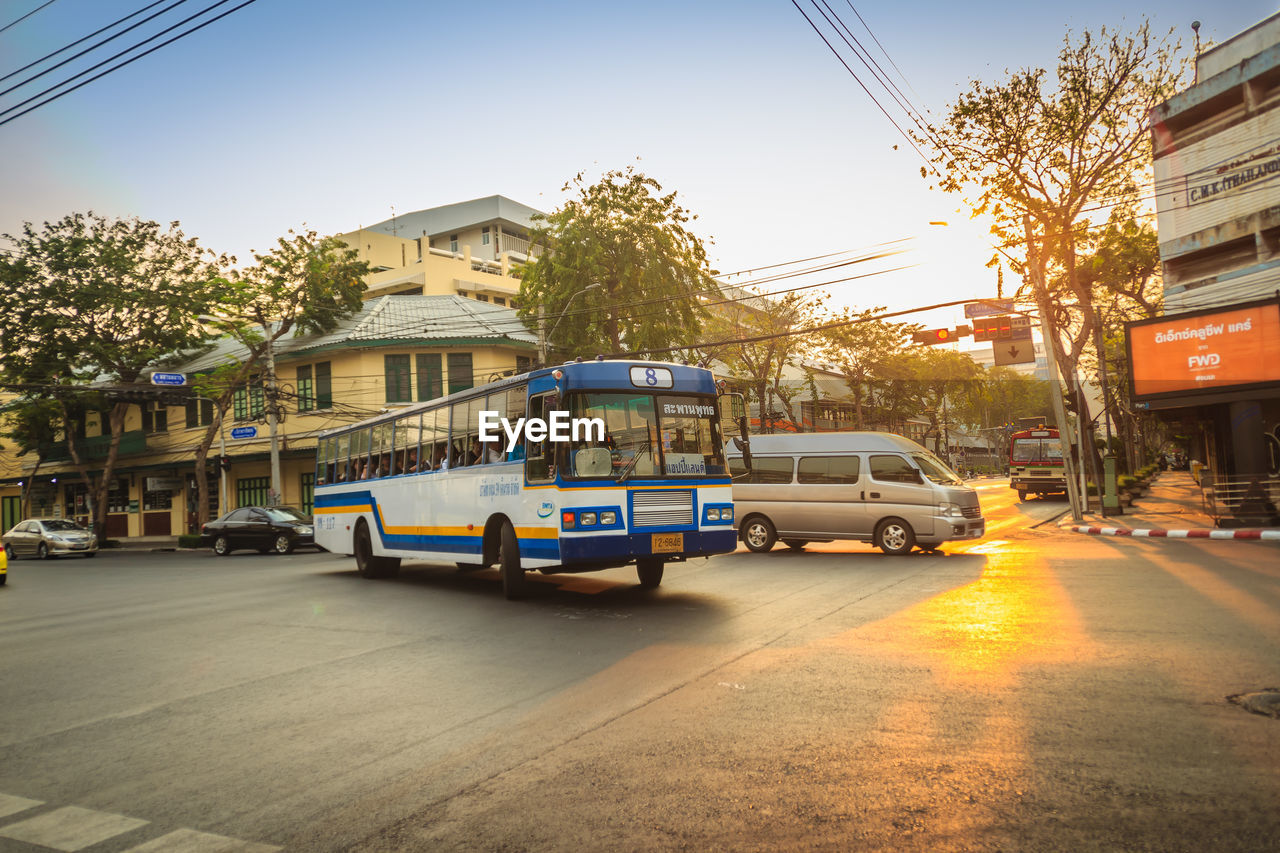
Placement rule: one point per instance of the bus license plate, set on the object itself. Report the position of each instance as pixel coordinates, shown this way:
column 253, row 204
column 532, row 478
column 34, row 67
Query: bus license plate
column 668, row 543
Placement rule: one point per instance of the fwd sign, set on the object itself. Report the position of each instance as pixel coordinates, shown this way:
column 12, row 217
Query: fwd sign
column 1199, row 362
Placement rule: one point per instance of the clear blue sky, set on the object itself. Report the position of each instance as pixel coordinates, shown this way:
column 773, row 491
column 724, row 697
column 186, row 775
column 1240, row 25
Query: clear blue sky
column 330, row 114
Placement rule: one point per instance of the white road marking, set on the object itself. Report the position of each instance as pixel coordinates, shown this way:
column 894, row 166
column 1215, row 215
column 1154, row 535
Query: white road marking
column 190, row 841
column 71, row 828
column 12, row 805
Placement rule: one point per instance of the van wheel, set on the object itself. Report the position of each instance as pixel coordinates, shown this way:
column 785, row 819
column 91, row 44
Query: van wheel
column 369, row 565
column 758, row 534
column 649, row 570
column 795, row 544
column 894, row 536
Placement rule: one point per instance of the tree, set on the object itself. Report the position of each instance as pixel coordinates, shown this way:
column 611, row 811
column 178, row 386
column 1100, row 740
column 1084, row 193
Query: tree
column 1046, row 156
column 762, row 348
column 304, row 285
column 619, row 270
column 31, row 422
column 860, row 350
column 90, row 303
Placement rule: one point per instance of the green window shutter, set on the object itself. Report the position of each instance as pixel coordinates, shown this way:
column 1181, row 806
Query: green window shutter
column 324, row 385
column 397, row 373
column 460, row 375
column 430, row 376
column 306, row 389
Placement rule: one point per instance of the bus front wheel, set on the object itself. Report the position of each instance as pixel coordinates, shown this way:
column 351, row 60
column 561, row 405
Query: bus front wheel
column 369, row 565
column 649, row 570
column 514, row 585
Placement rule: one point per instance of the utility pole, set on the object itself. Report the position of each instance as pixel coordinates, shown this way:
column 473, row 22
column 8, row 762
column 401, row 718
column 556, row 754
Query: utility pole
column 1049, row 330
column 542, row 335
column 272, row 399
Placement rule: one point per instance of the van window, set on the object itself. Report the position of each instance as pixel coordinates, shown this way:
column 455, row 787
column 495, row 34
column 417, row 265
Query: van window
column 763, row 469
column 828, row 469
column 893, row 469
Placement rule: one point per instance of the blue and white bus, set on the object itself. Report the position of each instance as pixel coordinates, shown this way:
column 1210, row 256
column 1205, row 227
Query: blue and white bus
column 614, row 462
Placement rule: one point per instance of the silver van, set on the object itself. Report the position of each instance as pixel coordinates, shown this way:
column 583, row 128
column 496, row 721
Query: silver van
column 872, row 486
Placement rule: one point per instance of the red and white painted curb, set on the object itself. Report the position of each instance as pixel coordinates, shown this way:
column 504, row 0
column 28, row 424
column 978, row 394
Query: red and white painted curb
column 1178, row 534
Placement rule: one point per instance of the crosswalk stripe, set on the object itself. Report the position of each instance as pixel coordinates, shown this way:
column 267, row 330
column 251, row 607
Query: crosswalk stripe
column 71, row 828
column 191, row 841
column 12, row 805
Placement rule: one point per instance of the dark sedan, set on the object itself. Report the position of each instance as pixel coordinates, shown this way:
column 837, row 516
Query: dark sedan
column 261, row 528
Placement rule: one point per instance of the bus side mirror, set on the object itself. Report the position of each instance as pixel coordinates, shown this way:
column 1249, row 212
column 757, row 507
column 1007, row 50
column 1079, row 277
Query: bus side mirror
column 743, row 444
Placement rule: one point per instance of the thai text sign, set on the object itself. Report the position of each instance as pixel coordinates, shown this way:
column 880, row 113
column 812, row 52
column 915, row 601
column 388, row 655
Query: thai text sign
column 1205, row 350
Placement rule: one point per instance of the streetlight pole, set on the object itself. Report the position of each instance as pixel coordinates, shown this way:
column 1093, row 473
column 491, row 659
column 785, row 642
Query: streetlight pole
column 543, row 335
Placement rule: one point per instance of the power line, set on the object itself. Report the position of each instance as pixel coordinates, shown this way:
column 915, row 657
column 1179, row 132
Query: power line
column 837, row 55
column 86, row 50
column 28, row 15
column 130, row 60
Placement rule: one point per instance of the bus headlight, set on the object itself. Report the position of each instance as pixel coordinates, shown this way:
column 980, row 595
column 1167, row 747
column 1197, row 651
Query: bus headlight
column 726, row 514
column 608, row 518
column 588, row 519
column 713, row 514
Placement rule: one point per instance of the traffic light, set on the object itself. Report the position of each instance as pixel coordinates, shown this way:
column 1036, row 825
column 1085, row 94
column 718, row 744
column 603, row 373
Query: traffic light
column 993, row 328
column 225, row 462
column 935, row 336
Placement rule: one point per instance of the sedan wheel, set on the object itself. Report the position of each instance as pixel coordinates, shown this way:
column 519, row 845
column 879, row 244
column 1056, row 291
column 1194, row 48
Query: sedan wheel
column 42, row 553
column 221, row 546
column 10, row 553
column 283, row 544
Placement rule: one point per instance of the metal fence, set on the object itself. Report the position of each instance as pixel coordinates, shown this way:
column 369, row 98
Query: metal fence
column 1250, row 501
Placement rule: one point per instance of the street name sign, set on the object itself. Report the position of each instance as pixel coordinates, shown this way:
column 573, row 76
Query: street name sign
column 988, row 308
column 244, row 432
column 168, row 379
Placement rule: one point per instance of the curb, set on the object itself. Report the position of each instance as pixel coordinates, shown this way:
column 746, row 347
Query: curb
column 1269, row 534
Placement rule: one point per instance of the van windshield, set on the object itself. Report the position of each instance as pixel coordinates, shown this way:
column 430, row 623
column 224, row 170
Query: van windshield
column 936, row 470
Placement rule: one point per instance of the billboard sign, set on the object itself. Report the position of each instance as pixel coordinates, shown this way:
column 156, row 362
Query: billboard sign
column 1205, row 351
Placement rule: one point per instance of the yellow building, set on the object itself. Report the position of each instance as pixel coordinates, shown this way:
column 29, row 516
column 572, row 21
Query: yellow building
column 433, row 323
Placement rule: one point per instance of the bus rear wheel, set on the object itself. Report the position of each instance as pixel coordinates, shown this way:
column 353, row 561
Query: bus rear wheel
column 649, row 570
column 514, row 584
column 369, row 565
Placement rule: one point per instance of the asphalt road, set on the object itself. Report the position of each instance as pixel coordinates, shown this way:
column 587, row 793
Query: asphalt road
column 1034, row 690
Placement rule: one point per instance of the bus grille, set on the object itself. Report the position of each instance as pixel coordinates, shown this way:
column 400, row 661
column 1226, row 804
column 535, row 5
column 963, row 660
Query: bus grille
column 659, row 509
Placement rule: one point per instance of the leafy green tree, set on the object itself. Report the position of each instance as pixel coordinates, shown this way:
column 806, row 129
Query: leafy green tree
column 304, row 285
column 763, row 351
column 90, row 303
column 31, row 424
column 619, row 271
column 860, row 349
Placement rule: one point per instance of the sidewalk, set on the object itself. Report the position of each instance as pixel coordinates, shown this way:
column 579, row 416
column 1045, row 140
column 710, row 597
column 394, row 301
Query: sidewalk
column 1172, row 508
column 145, row 543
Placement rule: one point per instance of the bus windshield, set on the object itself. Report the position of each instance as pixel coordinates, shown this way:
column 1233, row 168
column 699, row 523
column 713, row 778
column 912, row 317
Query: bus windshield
column 647, row 436
column 1037, row 451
